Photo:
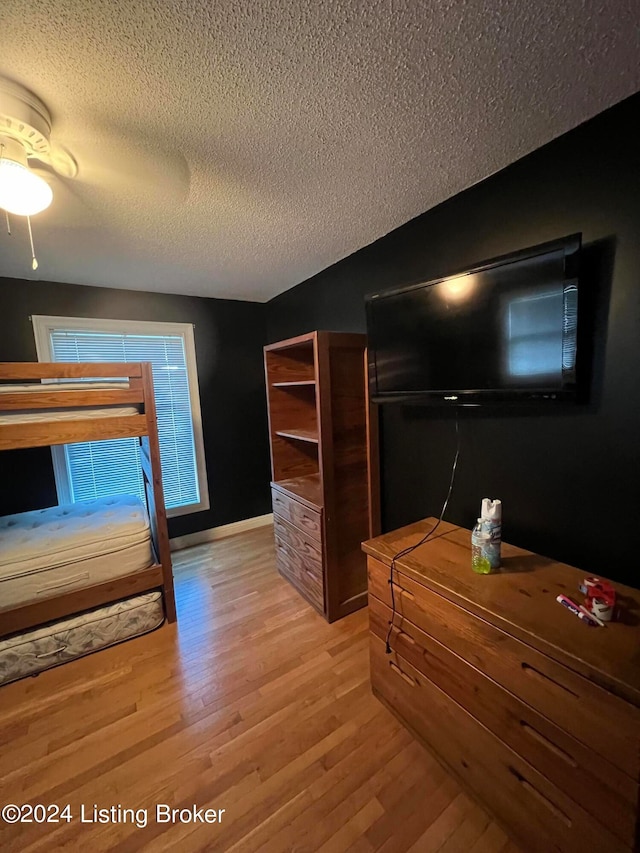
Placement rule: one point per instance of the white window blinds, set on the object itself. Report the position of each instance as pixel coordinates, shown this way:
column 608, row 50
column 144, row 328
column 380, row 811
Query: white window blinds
column 96, row 469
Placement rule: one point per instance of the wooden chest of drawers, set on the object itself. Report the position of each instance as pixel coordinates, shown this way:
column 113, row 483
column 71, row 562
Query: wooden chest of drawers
column 299, row 552
column 537, row 714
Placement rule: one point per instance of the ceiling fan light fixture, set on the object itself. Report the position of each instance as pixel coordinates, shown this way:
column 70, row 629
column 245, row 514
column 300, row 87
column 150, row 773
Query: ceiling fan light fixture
column 22, row 192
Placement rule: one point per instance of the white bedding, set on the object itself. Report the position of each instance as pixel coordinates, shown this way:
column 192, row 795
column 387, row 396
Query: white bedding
column 38, row 415
column 68, row 547
column 19, row 416
column 63, row 385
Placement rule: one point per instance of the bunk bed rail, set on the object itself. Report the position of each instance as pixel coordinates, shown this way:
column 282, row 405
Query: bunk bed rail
column 26, row 370
column 30, row 413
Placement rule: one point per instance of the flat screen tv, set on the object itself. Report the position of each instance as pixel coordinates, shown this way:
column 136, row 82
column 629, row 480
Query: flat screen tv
column 505, row 330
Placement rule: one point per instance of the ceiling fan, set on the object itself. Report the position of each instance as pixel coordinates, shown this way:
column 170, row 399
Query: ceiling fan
column 25, row 130
column 34, row 169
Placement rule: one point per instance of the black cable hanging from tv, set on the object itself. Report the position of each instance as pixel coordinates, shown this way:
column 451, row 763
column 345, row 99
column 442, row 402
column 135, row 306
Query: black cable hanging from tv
column 411, row 548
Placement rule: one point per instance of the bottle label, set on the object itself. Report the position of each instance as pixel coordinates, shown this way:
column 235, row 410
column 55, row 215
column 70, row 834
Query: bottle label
column 492, row 547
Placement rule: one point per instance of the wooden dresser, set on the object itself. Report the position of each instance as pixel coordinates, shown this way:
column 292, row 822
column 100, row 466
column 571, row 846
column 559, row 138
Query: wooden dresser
column 320, row 439
column 536, row 713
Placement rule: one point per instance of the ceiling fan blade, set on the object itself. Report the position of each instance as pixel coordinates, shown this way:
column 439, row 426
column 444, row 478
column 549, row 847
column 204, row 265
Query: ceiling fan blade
column 70, row 206
column 136, row 173
column 129, row 163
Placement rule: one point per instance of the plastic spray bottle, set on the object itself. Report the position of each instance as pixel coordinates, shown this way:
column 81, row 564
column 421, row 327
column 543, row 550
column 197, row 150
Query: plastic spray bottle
column 480, row 540
column 492, row 524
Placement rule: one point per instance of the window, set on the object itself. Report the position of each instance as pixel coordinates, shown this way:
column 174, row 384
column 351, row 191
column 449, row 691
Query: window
column 534, row 334
column 93, row 469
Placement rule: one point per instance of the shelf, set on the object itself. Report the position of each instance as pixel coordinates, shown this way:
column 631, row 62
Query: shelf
column 308, row 489
column 307, row 435
column 300, row 384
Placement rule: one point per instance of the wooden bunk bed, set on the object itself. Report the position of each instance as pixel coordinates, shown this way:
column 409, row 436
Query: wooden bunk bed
column 122, row 405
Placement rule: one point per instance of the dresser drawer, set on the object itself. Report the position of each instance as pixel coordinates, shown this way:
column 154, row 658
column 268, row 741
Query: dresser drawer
column 297, row 540
column 540, row 815
column 301, row 576
column 603, row 722
column 599, row 787
column 305, row 519
column 300, row 561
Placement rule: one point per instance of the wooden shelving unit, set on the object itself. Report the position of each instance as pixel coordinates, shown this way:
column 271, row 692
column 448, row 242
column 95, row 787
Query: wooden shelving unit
column 319, row 453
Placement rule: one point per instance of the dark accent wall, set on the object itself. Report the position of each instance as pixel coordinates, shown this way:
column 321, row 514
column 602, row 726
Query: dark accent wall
column 569, row 476
column 229, row 337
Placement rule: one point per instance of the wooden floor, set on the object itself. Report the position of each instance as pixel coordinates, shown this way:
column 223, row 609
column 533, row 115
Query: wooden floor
column 252, row 704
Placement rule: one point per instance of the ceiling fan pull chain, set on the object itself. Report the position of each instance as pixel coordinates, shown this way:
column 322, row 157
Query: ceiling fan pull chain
column 6, row 213
column 34, row 260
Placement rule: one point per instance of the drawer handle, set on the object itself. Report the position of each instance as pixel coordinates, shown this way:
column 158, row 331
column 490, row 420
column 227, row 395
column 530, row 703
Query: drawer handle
column 285, row 550
column 404, row 592
column 404, row 635
column 541, row 797
column 549, row 744
column 531, row 670
column 402, row 674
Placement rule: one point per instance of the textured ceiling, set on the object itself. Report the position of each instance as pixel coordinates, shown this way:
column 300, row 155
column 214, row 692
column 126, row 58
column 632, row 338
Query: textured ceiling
column 236, row 148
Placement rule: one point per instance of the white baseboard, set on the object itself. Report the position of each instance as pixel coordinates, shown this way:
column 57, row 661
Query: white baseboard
column 213, row 533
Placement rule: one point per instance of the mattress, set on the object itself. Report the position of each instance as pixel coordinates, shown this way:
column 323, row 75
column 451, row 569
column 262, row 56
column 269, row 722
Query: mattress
column 64, row 385
column 49, row 415
column 63, row 548
column 75, row 636
column 19, row 416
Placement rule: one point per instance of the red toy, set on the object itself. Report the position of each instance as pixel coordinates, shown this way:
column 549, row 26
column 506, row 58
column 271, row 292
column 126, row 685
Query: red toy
column 600, row 598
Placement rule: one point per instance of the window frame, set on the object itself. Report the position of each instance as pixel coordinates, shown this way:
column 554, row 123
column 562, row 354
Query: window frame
column 44, row 324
